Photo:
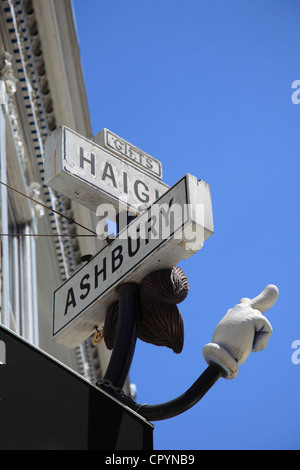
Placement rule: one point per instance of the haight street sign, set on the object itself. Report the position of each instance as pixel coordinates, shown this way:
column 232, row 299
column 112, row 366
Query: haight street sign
column 172, row 229
column 124, row 149
column 91, row 175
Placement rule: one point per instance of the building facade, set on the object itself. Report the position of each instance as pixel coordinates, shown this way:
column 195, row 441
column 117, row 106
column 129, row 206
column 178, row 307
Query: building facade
column 42, row 88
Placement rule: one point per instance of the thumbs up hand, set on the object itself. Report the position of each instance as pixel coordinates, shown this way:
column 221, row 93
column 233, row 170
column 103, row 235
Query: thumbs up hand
column 243, row 329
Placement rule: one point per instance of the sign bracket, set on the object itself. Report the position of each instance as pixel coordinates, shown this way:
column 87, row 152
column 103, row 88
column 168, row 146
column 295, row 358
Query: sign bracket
column 173, row 407
column 123, row 351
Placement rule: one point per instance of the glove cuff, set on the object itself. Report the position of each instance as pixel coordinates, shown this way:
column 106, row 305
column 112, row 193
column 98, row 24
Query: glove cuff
column 215, row 354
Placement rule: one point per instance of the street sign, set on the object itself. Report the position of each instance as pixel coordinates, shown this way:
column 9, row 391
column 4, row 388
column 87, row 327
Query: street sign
column 172, row 229
column 91, row 175
column 129, row 152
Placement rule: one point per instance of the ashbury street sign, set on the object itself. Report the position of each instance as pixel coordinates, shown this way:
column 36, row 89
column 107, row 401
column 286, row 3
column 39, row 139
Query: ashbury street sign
column 91, row 175
column 172, row 229
column 129, row 152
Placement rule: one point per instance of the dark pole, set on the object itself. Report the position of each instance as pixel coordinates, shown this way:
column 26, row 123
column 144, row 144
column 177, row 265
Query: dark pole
column 174, row 407
column 124, row 219
column 185, row 401
column 124, row 347
column 123, row 351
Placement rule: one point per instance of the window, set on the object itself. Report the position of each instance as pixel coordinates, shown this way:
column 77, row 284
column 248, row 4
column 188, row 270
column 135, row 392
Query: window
column 18, row 292
column 22, row 279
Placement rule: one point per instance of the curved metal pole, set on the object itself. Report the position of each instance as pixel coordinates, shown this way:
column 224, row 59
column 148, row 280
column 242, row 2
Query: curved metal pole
column 185, row 401
column 123, row 351
column 170, row 408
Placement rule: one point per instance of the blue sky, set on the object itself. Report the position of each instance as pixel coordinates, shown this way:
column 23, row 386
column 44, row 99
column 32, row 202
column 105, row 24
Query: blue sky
column 205, row 87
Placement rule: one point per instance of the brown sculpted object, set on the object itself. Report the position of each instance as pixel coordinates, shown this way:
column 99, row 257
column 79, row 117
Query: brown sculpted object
column 160, row 321
column 162, row 325
column 167, row 285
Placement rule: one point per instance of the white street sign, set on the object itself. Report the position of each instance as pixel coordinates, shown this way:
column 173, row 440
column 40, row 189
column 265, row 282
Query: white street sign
column 87, row 173
column 129, row 152
column 172, row 229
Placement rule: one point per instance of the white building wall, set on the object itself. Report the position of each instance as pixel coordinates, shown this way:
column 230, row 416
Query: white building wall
column 42, row 84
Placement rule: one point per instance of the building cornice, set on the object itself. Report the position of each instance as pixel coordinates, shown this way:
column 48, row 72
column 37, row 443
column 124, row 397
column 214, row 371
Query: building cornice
column 59, row 47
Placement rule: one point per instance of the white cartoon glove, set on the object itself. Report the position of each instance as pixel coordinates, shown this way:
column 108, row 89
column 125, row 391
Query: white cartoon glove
column 243, row 329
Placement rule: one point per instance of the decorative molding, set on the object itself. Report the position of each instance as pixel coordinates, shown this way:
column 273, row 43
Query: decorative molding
column 7, row 75
column 38, row 58
column 34, row 191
